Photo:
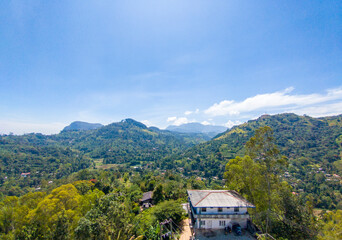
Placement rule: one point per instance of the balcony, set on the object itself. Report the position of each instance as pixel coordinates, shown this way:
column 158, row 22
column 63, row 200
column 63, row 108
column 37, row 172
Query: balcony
column 221, row 215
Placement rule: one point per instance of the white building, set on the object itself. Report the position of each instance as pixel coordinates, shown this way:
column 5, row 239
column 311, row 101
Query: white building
column 215, row 209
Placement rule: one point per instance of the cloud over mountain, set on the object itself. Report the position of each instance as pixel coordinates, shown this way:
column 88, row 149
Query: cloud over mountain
column 280, row 101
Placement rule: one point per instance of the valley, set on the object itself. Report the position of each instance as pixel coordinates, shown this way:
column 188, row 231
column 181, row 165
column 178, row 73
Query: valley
column 128, row 158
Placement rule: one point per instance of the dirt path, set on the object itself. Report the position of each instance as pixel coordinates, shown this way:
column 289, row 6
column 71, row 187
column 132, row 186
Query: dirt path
column 186, row 232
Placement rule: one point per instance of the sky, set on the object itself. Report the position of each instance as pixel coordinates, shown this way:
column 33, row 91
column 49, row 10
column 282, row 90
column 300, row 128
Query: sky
column 168, row 62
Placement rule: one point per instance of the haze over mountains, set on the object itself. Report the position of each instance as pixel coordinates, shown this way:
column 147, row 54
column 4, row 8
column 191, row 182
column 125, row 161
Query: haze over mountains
column 127, row 141
column 130, row 142
column 317, row 140
column 211, row 130
column 208, row 130
column 312, row 146
column 78, row 125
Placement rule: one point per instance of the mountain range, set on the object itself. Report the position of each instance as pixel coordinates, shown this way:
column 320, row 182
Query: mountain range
column 313, row 147
column 211, row 130
column 300, row 138
column 78, row 126
column 128, row 141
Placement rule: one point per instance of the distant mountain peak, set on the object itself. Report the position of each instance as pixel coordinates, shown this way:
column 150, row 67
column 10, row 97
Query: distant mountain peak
column 134, row 122
column 196, row 127
column 81, row 126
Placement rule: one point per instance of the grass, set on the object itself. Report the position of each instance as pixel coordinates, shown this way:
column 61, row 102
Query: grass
column 100, row 165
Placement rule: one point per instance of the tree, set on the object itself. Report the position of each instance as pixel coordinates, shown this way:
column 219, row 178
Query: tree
column 148, row 220
column 332, row 226
column 257, row 179
column 7, row 214
column 262, row 149
column 246, row 177
column 83, row 229
column 109, row 218
column 62, row 203
column 168, row 209
column 158, row 194
column 61, row 228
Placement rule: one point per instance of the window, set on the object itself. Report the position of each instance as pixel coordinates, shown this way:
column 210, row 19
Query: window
column 219, row 209
column 222, row 223
column 236, row 209
column 202, row 223
column 204, row 209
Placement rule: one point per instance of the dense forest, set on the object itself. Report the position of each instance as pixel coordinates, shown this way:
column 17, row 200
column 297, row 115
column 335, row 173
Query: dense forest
column 50, row 157
column 86, row 184
column 313, row 147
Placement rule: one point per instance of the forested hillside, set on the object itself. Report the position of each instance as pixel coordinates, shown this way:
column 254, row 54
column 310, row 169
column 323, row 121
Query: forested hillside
column 104, row 207
column 29, row 159
column 128, row 141
column 79, row 126
column 312, row 146
column 52, row 185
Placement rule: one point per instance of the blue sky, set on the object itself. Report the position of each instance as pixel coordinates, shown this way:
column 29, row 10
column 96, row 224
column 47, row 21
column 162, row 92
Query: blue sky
column 166, row 62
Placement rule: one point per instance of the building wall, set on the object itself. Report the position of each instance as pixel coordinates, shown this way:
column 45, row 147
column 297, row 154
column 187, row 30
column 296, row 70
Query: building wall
column 211, row 223
column 225, row 210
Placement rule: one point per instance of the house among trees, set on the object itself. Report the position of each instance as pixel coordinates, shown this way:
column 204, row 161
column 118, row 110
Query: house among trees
column 217, row 209
column 25, row 174
column 147, row 199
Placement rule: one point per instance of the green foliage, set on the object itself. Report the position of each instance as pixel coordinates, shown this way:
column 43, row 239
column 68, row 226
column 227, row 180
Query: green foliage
column 34, row 154
column 332, row 226
column 278, row 211
column 158, row 194
column 152, row 232
column 83, row 186
column 41, row 216
column 142, row 159
column 148, row 220
column 168, row 209
column 127, row 142
column 311, row 145
column 52, row 157
column 246, row 177
column 108, row 218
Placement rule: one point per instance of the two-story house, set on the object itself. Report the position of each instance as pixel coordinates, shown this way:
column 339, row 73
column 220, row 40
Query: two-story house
column 215, row 209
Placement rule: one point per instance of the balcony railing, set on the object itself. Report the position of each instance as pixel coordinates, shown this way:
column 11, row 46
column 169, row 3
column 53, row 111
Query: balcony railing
column 220, row 214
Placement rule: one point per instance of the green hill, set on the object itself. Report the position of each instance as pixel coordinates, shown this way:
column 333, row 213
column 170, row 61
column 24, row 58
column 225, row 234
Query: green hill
column 128, row 141
column 49, row 157
column 25, row 161
column 79, row 126
column 312, row 146
column 300, row 138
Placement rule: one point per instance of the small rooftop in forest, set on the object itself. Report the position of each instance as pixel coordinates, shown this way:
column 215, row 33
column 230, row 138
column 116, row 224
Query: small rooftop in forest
column 146, row 196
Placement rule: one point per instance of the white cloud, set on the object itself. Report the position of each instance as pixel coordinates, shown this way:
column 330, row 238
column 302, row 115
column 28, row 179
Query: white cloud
column 205, row 123
column 192, row 112
column 147, row 123
column 178, row 121
column 278, row 101
column 231, row 123
column 321, row 111
column 171, row 119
